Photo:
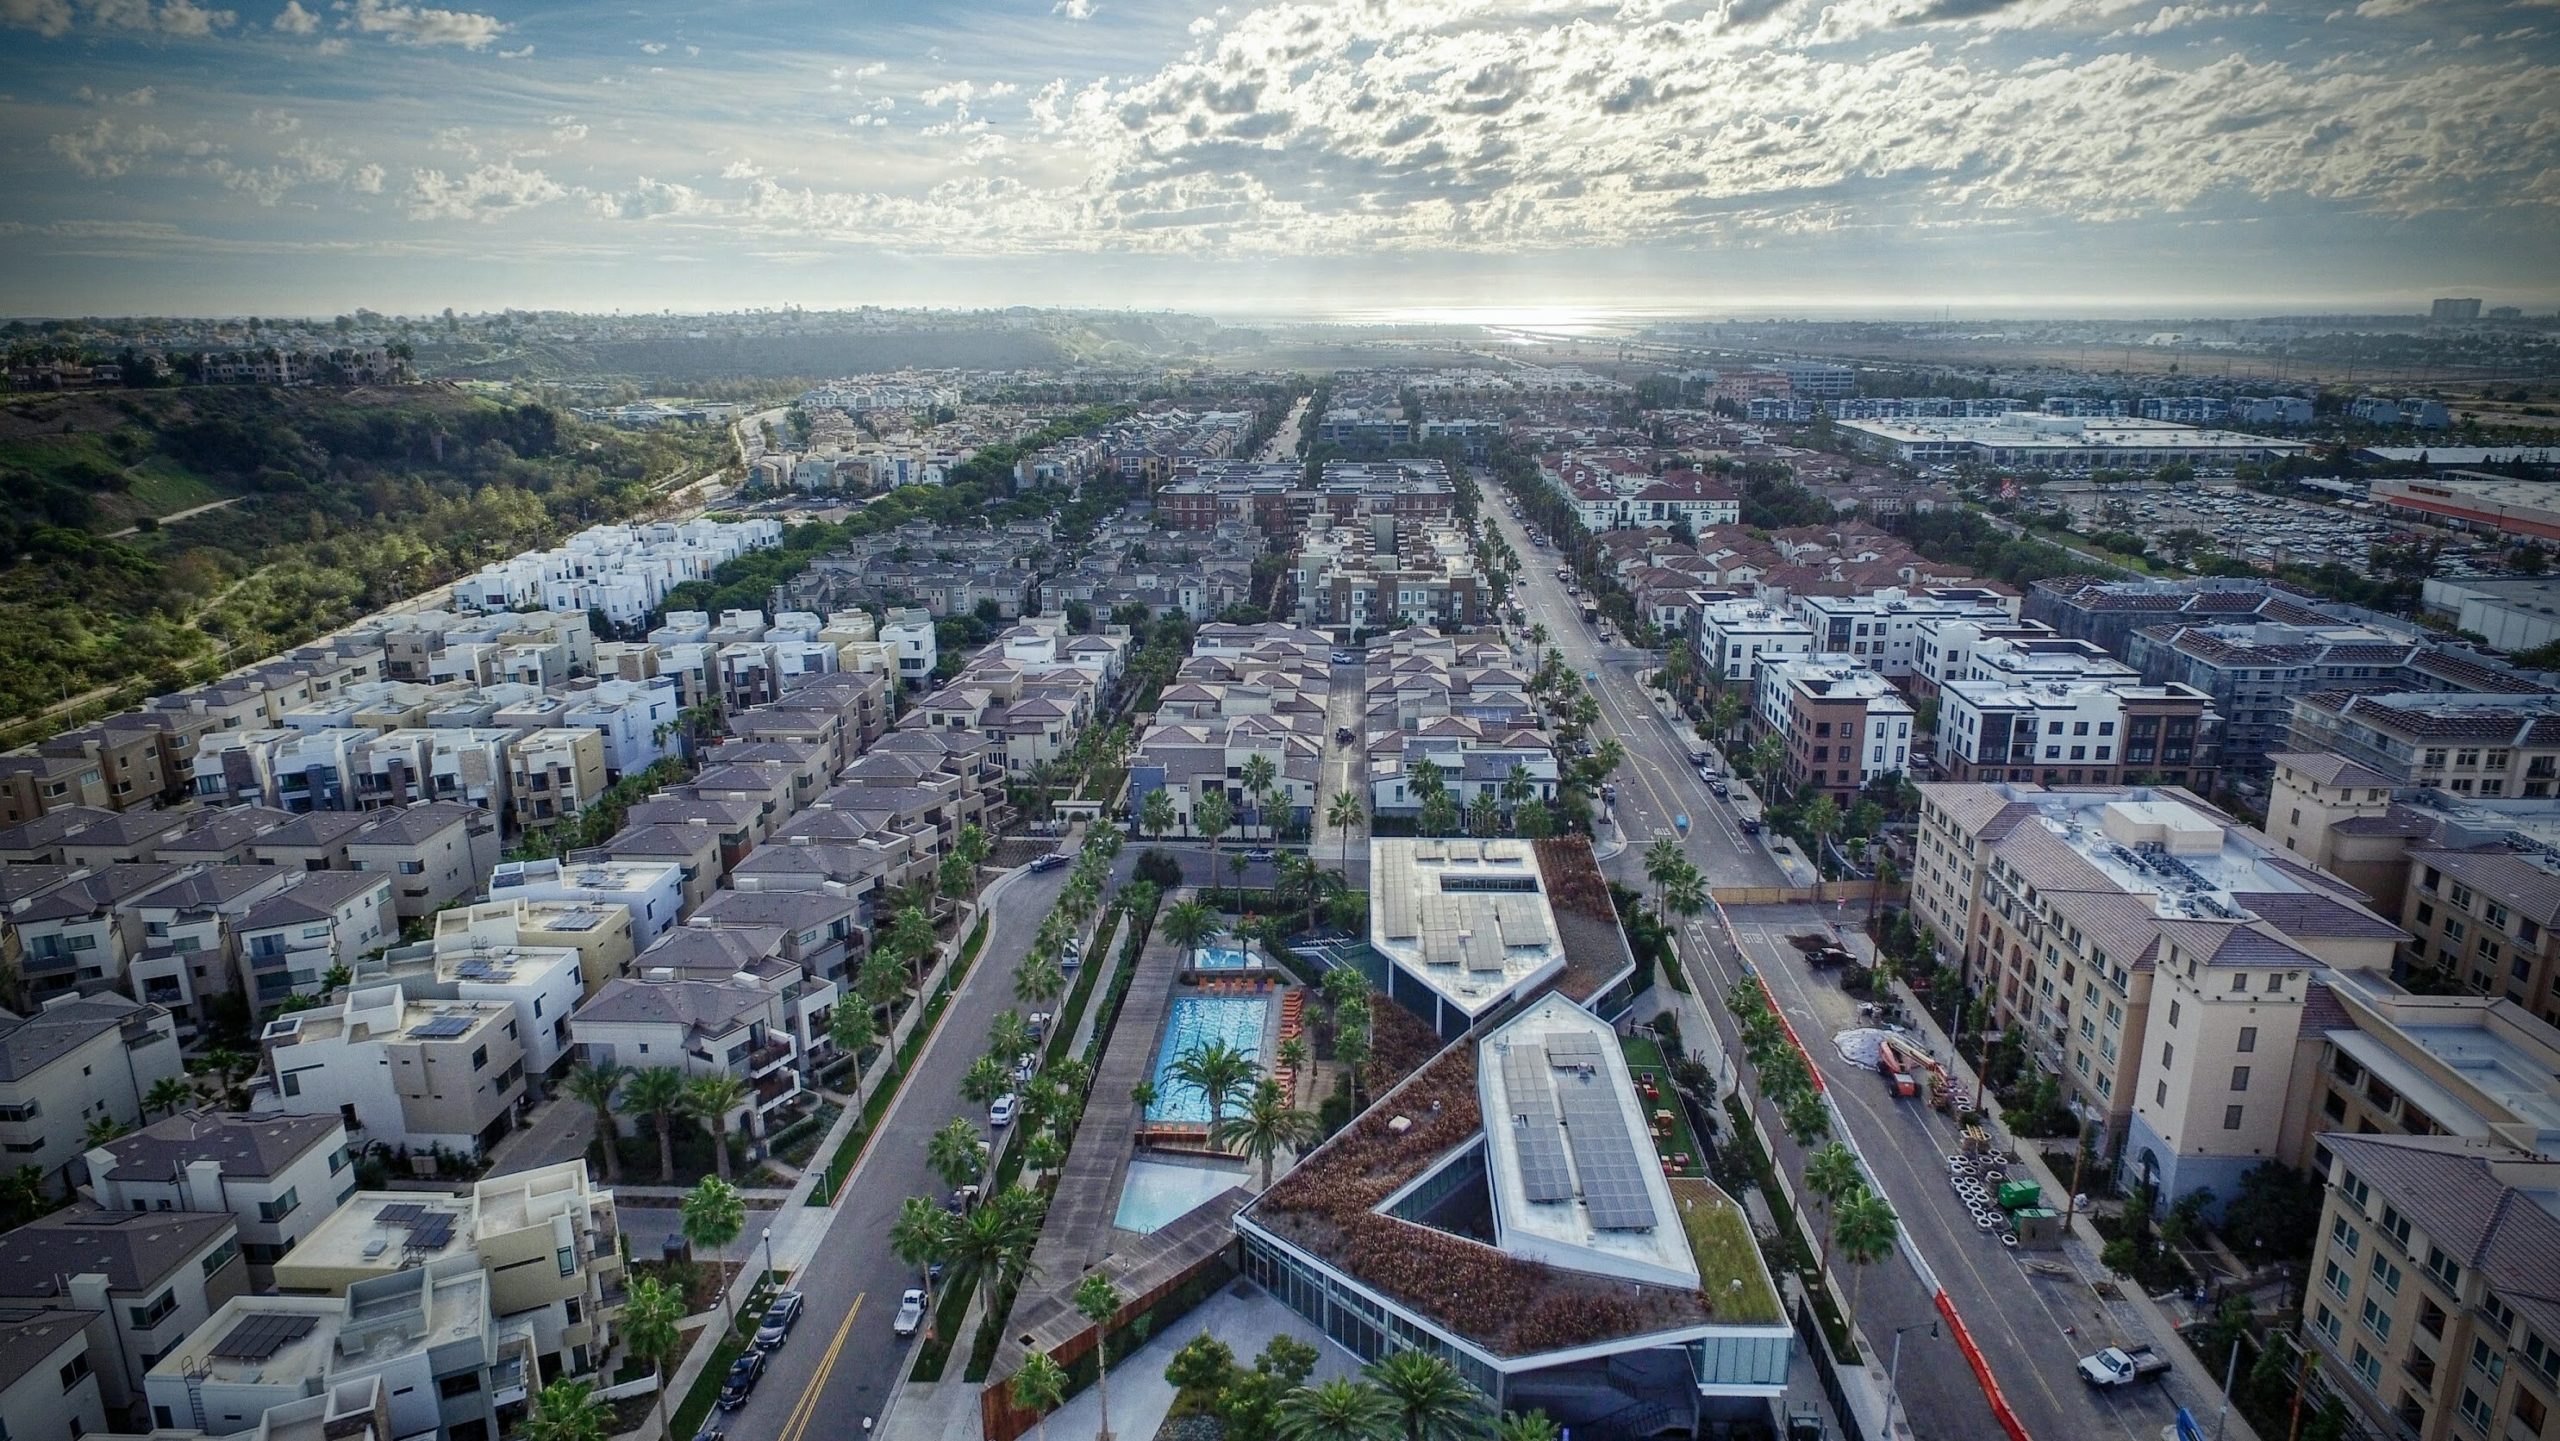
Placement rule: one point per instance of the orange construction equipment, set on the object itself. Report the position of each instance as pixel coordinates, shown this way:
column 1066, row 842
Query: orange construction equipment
column 1908, row 1068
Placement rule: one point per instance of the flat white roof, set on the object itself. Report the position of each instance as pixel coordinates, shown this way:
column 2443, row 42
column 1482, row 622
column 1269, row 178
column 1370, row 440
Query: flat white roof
column 1606, row 1207
column 1467, row 918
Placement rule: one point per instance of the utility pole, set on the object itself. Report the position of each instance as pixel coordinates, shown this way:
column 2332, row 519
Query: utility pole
column 2230, row 1373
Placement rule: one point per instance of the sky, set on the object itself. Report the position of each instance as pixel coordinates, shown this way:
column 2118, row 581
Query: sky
column 1293, row 158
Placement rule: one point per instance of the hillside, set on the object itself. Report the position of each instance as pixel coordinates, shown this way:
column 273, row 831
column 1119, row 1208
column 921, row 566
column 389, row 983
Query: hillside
column 330, row 503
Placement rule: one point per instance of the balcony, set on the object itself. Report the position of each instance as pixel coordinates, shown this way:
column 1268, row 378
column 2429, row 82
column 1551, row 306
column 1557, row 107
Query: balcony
column 773, row 1090
column 767, row 1058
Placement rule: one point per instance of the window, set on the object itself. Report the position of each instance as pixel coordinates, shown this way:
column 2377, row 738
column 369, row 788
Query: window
column 568, row 1257
column 2327, row 1321
column 479, row 1058
column 2336, row 1277
column 75, row 1370
column 2377, row 1318
column 2531, row 1411
column 2385, row 1274
column 2239, row 1079
column 2160, row 1093
column 2474, row 1410
column 2541, row 1354
column 2168, row 1053
column 2239, row 982
column 281, row 1207
column 2488, row 1360
column 2173, row 1014
column 2248, row 1039
column 2397, row 1225
column 2442, row 1266
column 2367, row 1366
column 2348, row 1239
column 2231, row 1118
column 155, row 1311
column 461, row 1383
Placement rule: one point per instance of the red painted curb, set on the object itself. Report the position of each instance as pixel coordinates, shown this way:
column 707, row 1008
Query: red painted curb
column 2000, row 1411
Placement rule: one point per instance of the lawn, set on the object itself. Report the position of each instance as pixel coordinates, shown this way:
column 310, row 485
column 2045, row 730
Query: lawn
column 1720, row 1239
column 1644, row 1059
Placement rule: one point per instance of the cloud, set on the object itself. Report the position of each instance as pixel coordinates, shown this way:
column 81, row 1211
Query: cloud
column 366, row 179
column 741, row 169
column 484, row 193
column 294, row 20
column 106, row 149
column 653, row 47
column 46, row 17
column 1073, row 9
column 650, row 199
column 422, row 25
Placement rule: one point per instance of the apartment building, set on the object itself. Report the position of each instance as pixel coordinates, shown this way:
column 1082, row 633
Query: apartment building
column 547, row 1241
column 145, row 1280
column 554, row 774
column 404, row 1072
column 543, row 984
column 78, row 1060
column 290, row 941
column 31, row 785
column 48, row 1383
column 277, row 1175
column 600, row 934
column 2156, row 956
column 1880, row 628
column 190, row 951
column 411, row 1354
column 436, row 853
column 2433, row 1308
column 757, row 1030
column 1840, row 723
column 652, row 891
column 2103, row 728
column 2483, row 745
column 1732, row 637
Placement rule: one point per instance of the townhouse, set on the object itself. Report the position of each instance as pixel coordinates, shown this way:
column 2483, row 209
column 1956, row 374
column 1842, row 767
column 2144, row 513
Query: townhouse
column 145, row 1281
column 276, row 1175
column 76, row 1061
column 406, row 1073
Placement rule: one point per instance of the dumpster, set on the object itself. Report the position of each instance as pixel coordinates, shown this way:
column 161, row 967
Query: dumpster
column 2017, row 1194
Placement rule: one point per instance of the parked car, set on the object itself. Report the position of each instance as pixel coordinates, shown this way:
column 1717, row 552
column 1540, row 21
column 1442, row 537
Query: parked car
column 2124, row 1366
column 779, row 1318
column 1000, row 1111
column 744, row 1373
column 910, row 1312
column 1049, row 862
column 1342, row 735
column 1719, row 789
column 710, row 1433
column 1260, row 854
column 1039, row 1024
column 1750, row 826
column 1024, row 1070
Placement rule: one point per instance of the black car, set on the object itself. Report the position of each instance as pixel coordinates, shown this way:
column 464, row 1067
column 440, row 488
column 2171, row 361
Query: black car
column 1049, row 862
column 1342, row 734
column 744, row 1373
column 710, row 1433
column 779, row 1318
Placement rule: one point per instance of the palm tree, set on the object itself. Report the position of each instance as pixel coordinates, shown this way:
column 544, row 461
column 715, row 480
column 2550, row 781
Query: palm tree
column 712, row 1099
column 1301, row 876
column 1212, row 814
column 1044, row 1152
column 566, row 1411
column 657, row 1093
column 1832, row 1175
column 921, row 1235
column 851, row 1031
column 1424, row 780
column 1439, row 816
column 1009, row 1037
column 1266, row 1127
column 103, row 1130
column 1143, row 1095
column 1662, row 861
column 598, row 1086
column 1517, row 787
column 652, row 1326
column 1155, row 813
column 1189, row 923
column 1351, row 1042
column 1533, row 1426
column 1864, row 1226
column 1346, row 814
column 1039, row 981
column 1434, row 1402
column 1257, row 778
column 167, row 1095
column 1038, row 1388
column 954, row 1155
column 991, row 1245
column 1294, row 1059
column 1685, row 894
column 227, row 1065
column 1219, row 1070
column 911, row 940
column 1337, row 1410
column 713, row 1214
column 955, row 876
column 985, row 1080
column 972, row 847
column 1099, row 1302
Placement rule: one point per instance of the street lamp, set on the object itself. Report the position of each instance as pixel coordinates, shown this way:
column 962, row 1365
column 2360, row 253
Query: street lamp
column 1893, row 1377
column 769, row 1272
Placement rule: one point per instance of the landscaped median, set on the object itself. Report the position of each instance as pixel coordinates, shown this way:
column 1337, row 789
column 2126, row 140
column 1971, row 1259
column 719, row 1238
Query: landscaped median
column 705, row 1390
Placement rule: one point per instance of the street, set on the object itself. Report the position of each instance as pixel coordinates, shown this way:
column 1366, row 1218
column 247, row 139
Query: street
column 842, row 1360
column 2030, row 1325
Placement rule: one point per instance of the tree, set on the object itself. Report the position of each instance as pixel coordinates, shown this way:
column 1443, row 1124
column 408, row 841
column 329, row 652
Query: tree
column 1832, row 1175
column 1009, row 1038
column 1265, row 1127
column 1257, row 778
column 921, row 1235
column 1819, row 818
column 1533, row 1426
column 1039, row 1386
column 598, row 1086
column 102, row 1130
column 713, row 1214
column 168, row 1095
column 1219, row 1071
column 712, row 1099
column 1212, row 814
column 1804, row 1115
column 954, row 1155
column 1347, row 815
column 1039, row 981
column 972, row 848
column 1662, row 860
column 851, row 1031
column 1155, row 813
column 1439, row 816
column 1295, row 1059
column 1685, row 895
column 990, row 1247
column 956, row 876
column 658, row 1093
column 1864, row 1228
column 1351, row 1042
column 1338, row 1410
column 1202, row 1366
column 652, row 1326
column 911, row 940
column 1098, row 1301
column 566, row 1411
column 883, row 978
column 1302, row 878
column 1188, row 924
column 1432, row 1400
column 1484, row 816
column 1533, row 821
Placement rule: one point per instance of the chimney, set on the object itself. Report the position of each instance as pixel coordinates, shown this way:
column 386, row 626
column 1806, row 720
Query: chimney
column 204, row 1185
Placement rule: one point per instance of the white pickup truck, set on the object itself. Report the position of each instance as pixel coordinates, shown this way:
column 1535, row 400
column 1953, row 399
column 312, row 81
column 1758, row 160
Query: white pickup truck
column 2122, row 1366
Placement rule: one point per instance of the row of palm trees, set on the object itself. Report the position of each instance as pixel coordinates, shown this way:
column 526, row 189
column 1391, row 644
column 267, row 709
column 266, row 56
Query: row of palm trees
column 660, row 1093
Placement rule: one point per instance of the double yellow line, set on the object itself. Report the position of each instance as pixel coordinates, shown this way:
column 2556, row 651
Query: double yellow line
column 797, row 1424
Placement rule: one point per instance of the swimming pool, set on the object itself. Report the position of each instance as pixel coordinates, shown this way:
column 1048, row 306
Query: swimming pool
column 1158, row 1193
column 1221, row 958
column 1196, row 1021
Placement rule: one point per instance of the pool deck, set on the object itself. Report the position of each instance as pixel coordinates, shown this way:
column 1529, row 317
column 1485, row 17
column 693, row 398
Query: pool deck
column 1274, row 989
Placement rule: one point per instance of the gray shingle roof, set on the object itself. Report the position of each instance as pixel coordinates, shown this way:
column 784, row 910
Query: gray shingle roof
column 28, row 1338
column 134, row 1250
column 712, row 1007
column 30, row 1043
column 246, row 1144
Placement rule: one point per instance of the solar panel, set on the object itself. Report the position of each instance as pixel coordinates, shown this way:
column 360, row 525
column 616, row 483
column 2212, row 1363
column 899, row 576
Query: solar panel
column 1572, row 1049
column 401, row 1213
column 1604, row 1155
column 432, row 1233
column 1544, row 1175
column 442, row 1028
column 258, row 1337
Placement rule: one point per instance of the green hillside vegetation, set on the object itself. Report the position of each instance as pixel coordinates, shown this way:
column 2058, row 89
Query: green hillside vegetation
column 347, row 500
